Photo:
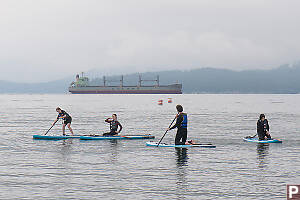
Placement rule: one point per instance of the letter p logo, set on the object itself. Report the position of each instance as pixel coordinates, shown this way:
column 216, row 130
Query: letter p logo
column 293, row 192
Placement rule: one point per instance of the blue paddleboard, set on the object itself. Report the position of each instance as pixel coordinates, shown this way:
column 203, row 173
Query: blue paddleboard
column 117, row 137
column 154, row 144
column 56, row 137
column 261, row 141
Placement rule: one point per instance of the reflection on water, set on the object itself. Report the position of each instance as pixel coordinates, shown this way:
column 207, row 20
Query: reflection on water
column 182, row 164
column 262, row 152
column 114, row 151
column 181, row 156
column 67, row 142
column 64, row 149
column 113, row 143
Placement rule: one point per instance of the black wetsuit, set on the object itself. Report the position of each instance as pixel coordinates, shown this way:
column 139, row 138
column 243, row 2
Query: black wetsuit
column 262, row 128
column 113, row 127
column 181, row 125
column 67, row 119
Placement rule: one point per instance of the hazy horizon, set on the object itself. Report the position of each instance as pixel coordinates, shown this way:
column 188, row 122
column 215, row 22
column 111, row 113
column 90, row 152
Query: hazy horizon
column 47, row 40
column 95, row 74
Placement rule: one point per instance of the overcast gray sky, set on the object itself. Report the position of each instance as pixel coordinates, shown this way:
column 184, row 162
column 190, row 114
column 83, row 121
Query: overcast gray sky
column 43, row 40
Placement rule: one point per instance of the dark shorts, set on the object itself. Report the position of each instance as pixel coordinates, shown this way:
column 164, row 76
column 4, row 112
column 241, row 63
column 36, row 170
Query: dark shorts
column 68, row 121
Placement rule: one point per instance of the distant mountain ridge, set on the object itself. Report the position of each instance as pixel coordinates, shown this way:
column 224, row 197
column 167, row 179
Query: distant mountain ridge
column 58, row 86
column 284, row 79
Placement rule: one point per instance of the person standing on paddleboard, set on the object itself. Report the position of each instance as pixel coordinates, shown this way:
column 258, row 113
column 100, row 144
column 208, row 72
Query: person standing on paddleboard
column 67, row 119
column 181, row 125
column 114, row 125
column 263, row 128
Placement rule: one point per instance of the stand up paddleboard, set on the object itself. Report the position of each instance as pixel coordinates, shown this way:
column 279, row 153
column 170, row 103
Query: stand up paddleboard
column 118, row 137
column 100, row 137
column 154, row 144
column 57, row 137
column 261, row 141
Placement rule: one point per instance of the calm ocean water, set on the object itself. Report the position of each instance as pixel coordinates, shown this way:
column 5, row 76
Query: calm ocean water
column 73, row 169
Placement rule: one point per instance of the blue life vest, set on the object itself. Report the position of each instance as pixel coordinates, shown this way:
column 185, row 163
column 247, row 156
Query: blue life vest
column 184, row 121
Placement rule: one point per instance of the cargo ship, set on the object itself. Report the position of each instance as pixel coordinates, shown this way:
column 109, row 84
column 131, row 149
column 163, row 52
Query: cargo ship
column 82, row 86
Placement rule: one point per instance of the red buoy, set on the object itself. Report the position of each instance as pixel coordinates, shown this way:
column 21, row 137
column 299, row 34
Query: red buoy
column 160, row 102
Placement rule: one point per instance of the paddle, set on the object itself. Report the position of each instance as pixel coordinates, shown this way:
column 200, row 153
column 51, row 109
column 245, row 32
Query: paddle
column 116, row 136
column 50, row 128
column 166, row 131
column 93, row 135
column 252, row 136
column 203, row 144
column 124, row 136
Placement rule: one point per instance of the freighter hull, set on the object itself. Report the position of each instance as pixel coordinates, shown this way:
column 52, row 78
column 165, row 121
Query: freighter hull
column 168, row 89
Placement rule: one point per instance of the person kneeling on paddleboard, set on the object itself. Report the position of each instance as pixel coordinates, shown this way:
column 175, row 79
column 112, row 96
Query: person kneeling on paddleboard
column 114, row 124
column 67, row 119
column 181, row 125
column 263, row 128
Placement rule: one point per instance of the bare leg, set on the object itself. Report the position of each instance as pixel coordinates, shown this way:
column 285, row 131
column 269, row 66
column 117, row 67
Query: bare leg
column 69, row 126
column 63, row 128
